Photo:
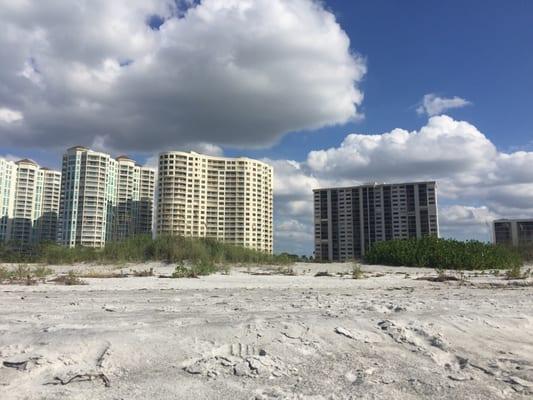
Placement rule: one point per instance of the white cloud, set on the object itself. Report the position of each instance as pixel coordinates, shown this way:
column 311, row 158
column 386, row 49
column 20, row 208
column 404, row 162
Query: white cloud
column 229, row 72
column 9, row 116
column 466, row 222
column 431, row 152
column 476, row 182
column 434, row 105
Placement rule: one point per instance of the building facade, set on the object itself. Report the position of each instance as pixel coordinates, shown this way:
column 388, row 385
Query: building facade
column 513, row 232
column 8, row 180
column 134, row 199
column 228, row 199
column 99, row 198
column 29, row 202
column 348, row 220
column 46, row 222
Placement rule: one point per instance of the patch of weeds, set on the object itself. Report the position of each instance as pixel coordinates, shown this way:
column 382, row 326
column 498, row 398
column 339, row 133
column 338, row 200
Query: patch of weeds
column 357, row 271
column 42, row 271
column 225, row 269
column 442, row 276
column 5, row 274
column 323, row 273
column 22, row 272
column 289, row 270
column 515, row 273
column 29, row 281
column 204, row 267
column 70, row 279
column 181, row 271
column 200, row 268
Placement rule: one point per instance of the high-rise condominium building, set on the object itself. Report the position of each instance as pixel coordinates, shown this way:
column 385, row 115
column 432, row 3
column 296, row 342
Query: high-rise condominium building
column 99, row 198
column 228, row 199
column 513, row 232
column 30, row 202
column 8, row 181
column 46, row 225
column 134, row 202
column 349, row 220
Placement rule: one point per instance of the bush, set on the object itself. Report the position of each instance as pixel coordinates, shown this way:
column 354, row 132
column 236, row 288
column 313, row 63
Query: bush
column 515, row 273
column 357, row 272
column 433, row 252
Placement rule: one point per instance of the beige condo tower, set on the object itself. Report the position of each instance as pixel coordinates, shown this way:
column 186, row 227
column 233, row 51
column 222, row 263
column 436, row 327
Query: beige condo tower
column 228, row 199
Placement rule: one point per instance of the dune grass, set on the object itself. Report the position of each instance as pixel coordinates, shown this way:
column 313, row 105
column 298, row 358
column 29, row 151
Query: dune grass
column 142, row 248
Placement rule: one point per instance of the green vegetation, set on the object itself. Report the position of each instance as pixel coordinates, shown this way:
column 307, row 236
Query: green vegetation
column 525, row 251
column 357, row 272
column 171, row 249
column 199, row 268
column 23, row 274
column 70, row 279
column 433, row 252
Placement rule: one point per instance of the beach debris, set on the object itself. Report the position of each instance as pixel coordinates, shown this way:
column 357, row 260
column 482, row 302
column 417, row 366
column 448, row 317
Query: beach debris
column 18, row 365
column 87, row 377
column 519, row 381
column 101, row 358
column 344, row 332
column 21, row 364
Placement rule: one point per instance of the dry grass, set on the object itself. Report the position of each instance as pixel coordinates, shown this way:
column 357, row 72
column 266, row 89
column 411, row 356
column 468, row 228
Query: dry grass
column 357, row 271
column 69, row 279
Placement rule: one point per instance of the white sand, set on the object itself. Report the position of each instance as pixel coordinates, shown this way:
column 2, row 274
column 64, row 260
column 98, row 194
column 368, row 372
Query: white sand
column 244, row 336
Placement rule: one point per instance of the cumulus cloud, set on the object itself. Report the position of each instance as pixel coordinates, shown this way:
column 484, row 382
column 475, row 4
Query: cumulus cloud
column 476, row 181
column 435, row 105
column 229, row 72
column 466, row 222
column 9, row 116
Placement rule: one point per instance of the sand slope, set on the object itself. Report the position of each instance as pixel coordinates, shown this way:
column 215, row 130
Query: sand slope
column 244, row 336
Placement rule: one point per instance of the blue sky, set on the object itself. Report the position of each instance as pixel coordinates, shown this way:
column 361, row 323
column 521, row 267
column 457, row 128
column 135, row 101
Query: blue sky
column 277, row 80
column 481, row 51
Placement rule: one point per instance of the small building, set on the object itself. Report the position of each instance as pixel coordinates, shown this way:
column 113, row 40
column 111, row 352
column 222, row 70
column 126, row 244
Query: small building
column 514, row 232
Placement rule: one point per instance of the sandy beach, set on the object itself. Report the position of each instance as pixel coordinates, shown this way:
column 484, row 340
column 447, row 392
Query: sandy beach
column 260, row 334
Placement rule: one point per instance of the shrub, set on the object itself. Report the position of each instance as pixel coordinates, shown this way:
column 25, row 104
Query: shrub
column 433, row 252
column 71, row 278
column 182, row 272
column 515, row 273
column 357, row 272
column 22, row 272
column 200, row 268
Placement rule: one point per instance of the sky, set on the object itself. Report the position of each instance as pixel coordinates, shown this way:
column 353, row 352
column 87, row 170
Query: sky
column 330, row 93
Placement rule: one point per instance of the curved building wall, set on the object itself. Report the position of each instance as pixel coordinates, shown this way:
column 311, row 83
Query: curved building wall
column 228, row 199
